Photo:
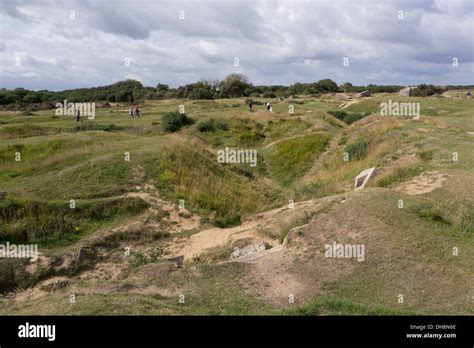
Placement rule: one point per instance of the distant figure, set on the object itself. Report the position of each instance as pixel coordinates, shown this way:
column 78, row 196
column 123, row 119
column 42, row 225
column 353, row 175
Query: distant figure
column 268, row 106
column 78, row 116
column 251, row 106
column 137, row 111
column 469, row 94
column 130, row 113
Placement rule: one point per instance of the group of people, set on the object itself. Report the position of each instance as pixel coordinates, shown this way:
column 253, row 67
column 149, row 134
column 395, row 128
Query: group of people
column 269, row 106
column 134, row 112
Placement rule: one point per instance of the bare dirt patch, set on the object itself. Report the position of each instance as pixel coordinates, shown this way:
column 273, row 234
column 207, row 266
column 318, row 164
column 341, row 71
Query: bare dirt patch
column 252, row 230
column 424, row 183
column 349, row 103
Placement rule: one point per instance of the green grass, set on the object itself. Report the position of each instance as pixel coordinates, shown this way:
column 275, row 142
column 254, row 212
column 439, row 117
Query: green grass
column 335, row 306
column 358, row 150
column 92, row 126
column 409, row 250
column 287, row 127
column 399, row 175
column 53, row 223
column 348, row 118
column 291, row 159
column 182, row 171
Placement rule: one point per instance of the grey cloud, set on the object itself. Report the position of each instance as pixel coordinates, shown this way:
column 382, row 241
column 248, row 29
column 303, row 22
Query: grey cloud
column 272, row 48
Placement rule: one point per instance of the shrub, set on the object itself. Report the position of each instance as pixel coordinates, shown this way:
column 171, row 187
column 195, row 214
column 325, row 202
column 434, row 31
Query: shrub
column 92, row 126
column 269, row 94
column 139, row 259
column 212, row 125
column 13, row 275
column 426, row 155
column 173, row 121
column 357, row 150
column 254, row 102
column 432, row 215
column 426, row 90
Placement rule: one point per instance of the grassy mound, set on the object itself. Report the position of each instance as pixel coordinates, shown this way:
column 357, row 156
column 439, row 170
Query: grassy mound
column 185, row 172
column 292, row 158
column 49, row 223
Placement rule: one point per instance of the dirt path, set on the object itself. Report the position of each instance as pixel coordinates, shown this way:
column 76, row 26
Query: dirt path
column 349, row 103
column 205, row 240
column 424, row 183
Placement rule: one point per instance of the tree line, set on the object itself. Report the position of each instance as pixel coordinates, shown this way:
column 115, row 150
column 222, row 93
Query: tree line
column 233, row 86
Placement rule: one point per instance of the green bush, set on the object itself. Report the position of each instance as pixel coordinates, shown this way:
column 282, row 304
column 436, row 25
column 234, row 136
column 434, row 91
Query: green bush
column 139, row 259
column 253, row 101
column 426, row 155
column 269, row 94
column 92, row 126
column 432, row 215
column 424, row 90
column 13, row 275
column 357, row 150
column 212, row 125
column 173, row 121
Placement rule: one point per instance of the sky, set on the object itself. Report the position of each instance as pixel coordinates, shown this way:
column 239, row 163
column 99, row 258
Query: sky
column 68, row 44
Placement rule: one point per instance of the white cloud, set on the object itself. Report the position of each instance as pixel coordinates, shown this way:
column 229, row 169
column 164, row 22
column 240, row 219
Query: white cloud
column 277, row 42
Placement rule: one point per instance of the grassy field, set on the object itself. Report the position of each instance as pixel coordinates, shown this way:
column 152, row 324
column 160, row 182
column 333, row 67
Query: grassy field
column 127, row 177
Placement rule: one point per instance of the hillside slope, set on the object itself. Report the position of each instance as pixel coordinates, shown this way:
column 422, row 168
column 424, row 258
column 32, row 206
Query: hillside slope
column 114, row 250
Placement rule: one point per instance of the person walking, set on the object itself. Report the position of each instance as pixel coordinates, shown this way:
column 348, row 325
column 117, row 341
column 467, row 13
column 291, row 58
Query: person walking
column 78, row 116
column 130, row 113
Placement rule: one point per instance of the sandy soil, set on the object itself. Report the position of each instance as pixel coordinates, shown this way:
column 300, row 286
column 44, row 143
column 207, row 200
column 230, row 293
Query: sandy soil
column 424, row 183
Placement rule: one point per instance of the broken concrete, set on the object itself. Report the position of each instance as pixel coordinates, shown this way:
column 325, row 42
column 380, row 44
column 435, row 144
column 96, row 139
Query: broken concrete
column 81, row 255
column 248, row 250
column 258, row 255
column 406, row 92
column 366, row 93
column 363, row 177
column 178, row 261
column 55, row 284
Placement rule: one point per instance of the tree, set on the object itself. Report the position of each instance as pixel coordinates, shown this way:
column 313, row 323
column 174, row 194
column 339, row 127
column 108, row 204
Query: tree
column 235, row 85
column 32, row 97
column 162, row 87
column 326, row 86
column 346, row 87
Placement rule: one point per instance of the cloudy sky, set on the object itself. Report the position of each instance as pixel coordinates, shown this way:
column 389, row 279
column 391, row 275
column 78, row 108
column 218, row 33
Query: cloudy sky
column 81, row 43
